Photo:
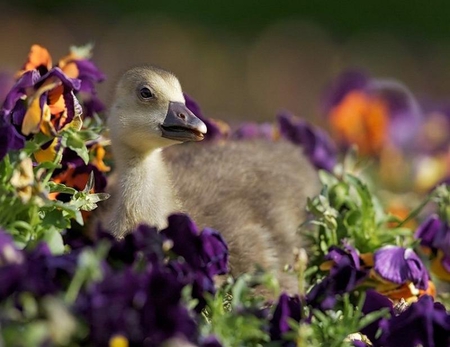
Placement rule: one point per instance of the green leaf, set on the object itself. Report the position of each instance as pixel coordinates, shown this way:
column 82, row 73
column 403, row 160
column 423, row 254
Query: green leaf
column 61, row 188
column 372, row 317
column 54, row 241
column 76, row 141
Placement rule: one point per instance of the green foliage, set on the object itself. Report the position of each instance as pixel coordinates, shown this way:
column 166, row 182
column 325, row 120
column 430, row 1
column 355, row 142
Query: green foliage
column 332, row 328
column 232, row 314
column 347, row 210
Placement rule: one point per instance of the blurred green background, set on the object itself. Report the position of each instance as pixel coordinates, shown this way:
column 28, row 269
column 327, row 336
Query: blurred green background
column 244, row 59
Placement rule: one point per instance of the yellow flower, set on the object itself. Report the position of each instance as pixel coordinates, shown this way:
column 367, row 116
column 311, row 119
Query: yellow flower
column 23, row 180
column 118, row 341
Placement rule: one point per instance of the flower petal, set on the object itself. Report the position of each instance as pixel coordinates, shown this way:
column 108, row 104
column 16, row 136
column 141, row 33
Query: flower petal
column 400, row 265
column 317, row 145
column 20, row 88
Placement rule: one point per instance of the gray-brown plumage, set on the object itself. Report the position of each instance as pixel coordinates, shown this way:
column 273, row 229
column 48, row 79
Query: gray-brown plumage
column 253, row 192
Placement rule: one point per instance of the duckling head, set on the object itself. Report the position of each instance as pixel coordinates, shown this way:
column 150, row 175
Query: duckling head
column 149, row 112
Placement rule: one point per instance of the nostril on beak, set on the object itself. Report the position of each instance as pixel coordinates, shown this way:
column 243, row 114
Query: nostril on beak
column 181, row 116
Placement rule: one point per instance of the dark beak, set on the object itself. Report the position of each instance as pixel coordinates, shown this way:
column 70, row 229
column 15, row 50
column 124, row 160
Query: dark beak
column 181, row 124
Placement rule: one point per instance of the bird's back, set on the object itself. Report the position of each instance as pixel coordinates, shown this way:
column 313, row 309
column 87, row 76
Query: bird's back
column 253, row 192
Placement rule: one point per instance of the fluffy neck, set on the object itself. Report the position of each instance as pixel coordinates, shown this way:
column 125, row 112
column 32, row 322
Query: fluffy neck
column 145, row 193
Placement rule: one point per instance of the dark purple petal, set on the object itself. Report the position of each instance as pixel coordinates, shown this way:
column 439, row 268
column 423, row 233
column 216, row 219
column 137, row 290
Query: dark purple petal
column 287, row 308
column 112, row 307
column 10, row 139
column 164, row 315
column 424, row 323
column 138, row 305
column 93, row 105
column 18, row 113
column 214, row 132
column 205, row 251
column 344, row 276
column 400, row 265
column 144, row 240
column 442, row 239
column 215, row 259
column 345, row 83
column 78, row 239
column 337, row 254
column 11, row 277
column 374, row 302
column 199, row 280
column 40, row 273
column 317, row 145
column 89, row 74
column 428, row 230
column 185, row 236
column 68, row 83
column 27, row 80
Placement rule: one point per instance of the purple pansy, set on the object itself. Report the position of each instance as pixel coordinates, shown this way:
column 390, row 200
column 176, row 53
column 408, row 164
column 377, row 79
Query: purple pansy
column 69, row 86
column 92, row 105
column 10, row 139
column 336, row 254
column 288, row 308
column 89, row 75
column 205, row 251
column 424, row 323
column 142, row 306
column 374, row 302
column 13, row 111
column 318, row 146
column 400, row 265
column 14, row 108
column 205, row 254
column 428, row 231
column 40, row 273
column 23, row 86
column 344, row 276
column 144, row 241
column 55, row 89
column 435, row 234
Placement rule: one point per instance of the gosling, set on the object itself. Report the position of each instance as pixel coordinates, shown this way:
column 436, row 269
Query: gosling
column 253, row 192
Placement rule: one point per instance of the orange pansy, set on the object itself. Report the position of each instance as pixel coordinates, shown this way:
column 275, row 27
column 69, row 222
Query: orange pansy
column 361, row 119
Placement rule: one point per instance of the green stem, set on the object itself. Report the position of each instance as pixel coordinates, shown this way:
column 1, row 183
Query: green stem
column 74, row 287
column 55, row 161
column 416, row 211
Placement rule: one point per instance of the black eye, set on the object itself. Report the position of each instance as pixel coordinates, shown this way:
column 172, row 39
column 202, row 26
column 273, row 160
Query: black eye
column 146, row 93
